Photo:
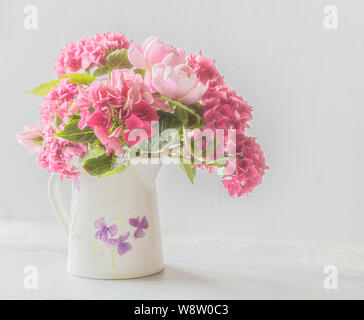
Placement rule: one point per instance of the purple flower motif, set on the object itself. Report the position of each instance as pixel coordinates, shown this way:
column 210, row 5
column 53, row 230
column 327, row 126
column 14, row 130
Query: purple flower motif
column 123, row 247
column 140, row 225
column 104, row 230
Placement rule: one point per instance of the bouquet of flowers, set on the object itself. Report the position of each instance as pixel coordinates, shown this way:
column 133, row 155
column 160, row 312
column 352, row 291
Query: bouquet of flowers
column 116, row 101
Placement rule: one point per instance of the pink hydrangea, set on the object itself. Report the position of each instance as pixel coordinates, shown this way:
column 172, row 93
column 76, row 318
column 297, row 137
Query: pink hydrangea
column 57, row 154
column 209, row 169
column 132, row 86
column 132, row 90
column 223, row 107
column 69, row 60
column 208, row 144
column 205, row 69
column 99, row 119
column 104, row 95
column 137, row 130
column 123, row 96
column 89, row 52
column 118, row 96
column 101, row 123
column 111, row 141
column 144, row 111
column 246, row 170
column 58, row 100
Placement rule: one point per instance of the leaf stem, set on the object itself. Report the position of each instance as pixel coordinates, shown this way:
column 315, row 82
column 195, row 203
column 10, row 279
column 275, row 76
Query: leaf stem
column 181, row 105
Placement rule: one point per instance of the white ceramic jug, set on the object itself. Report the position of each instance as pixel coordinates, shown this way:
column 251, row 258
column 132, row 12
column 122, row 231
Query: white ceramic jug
column 113, row 227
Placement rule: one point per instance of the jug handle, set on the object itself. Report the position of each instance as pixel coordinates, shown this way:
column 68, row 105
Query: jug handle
column 59, row 209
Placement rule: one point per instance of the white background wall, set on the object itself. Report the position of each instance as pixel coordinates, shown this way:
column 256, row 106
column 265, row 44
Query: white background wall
column 305, row 83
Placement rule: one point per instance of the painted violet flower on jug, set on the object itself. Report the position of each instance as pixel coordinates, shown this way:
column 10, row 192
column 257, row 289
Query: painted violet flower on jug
column 103, row 231
column 140, row 225
column 122, row 246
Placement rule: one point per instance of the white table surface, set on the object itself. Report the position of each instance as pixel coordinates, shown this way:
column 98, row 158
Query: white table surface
column 197, row 267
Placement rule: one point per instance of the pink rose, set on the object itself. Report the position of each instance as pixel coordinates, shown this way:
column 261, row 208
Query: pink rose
column 176, row 80
column 150, row 53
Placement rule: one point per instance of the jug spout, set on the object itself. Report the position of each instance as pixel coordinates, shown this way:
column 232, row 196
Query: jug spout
column 147, row 173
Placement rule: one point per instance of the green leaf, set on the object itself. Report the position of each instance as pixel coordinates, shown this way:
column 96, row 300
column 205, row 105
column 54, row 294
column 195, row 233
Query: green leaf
column 95, row 151
column 57, row 121
column 38, row 140
column 117, row 170
column 168, row 121
column 100, row 71
column 80, row 78
column 76, row 78
column 189, row 170
column 119, row 165
column 140, row 71
column 44, row 88
column 168, row 132
column 218, row 163
column 197, row 107
column 157, row 143
column 72, row 132
column 118, row 59
column 99, row 166
column 190, row 115
column 104, row 166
